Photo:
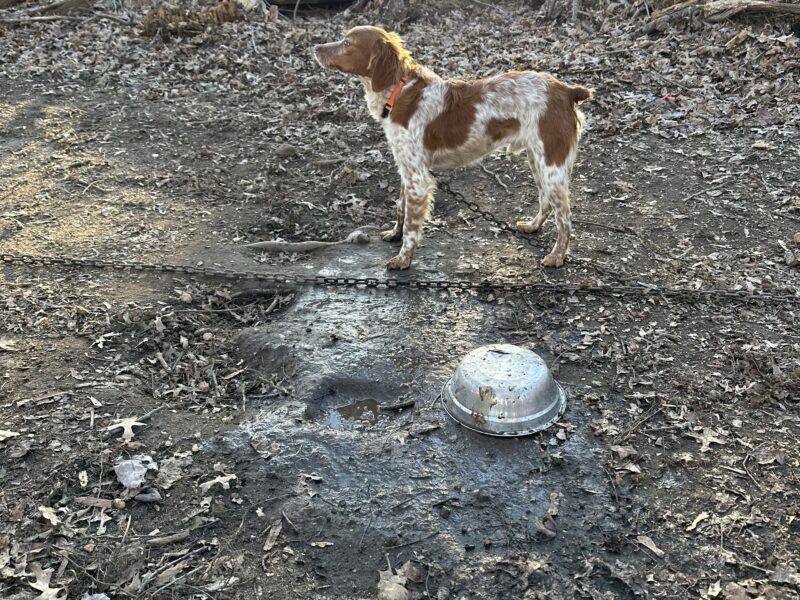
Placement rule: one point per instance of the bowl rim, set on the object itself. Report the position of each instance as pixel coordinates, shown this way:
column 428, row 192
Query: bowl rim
column 560, row 400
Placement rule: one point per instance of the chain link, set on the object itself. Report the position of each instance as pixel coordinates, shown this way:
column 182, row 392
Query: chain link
column 485, row 285
column 488, row 216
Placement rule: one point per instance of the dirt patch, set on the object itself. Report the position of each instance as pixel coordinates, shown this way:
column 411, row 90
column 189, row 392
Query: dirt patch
column 283, row 460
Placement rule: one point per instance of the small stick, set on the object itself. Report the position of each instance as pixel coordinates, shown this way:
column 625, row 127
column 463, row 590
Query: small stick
column 397, row 406
column 422, row 539
column 127, row 528
column 638, row 424
column 176, row 580
column 103, row 15
column 356, row 237
column 168, row 539
column 289, row 521
column 495, row 175
column 366, row 529
column 272, row 306
column 38, row 19
column 163, row 362
column 166, row 566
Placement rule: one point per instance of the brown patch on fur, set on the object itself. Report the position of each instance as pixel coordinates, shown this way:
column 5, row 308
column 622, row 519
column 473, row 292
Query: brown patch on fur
column 451, row 127
column 407, row 102
column 558, row 126
column 497, row 129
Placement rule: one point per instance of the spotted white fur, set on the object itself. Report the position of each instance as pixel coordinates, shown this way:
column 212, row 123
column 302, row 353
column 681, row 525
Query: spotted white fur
column 523, row 97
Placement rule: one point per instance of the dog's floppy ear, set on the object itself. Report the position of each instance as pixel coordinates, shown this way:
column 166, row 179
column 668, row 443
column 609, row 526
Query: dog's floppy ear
column 385, row 66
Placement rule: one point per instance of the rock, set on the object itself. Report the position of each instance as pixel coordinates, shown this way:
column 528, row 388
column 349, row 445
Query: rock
column 792, row 258
column 285, row 150
column 797, row 238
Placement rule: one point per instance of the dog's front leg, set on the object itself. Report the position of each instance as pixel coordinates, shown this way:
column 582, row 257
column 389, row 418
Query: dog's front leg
column 394, row 234
column 418, row 199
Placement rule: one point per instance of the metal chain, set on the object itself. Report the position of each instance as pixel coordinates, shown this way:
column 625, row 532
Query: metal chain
column 421, row 284
column 474, row 207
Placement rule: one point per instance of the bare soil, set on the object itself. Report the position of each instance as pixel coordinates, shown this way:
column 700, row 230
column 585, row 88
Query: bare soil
column 281, row 473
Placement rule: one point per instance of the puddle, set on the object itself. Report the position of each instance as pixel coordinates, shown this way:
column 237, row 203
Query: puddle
column 360, row 411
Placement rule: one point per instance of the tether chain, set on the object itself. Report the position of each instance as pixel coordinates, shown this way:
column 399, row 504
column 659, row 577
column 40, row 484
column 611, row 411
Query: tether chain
column 488, row 216
column 374, row 282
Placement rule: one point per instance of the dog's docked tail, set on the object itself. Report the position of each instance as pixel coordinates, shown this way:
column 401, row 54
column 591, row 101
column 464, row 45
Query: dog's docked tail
column 580, row 93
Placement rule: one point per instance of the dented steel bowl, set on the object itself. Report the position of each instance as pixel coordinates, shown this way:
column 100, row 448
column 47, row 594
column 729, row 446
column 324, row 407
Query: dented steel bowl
column 504, row 390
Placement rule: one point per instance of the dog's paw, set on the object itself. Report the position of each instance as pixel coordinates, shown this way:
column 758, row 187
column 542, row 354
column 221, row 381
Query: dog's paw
column 527, row 226
column 553, row 260
column 392, row 235
column 398, row 263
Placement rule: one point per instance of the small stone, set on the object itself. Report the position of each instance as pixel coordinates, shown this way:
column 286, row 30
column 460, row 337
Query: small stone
column 797, row 238
column 792, row 258
column 119, row 504
column 286, row 150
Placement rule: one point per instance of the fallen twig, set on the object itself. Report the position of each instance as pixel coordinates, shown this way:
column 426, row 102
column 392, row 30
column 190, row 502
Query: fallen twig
column 417, row 541
column 23, row 20
column 356, row 237
column 397, row 406
column 168, row 539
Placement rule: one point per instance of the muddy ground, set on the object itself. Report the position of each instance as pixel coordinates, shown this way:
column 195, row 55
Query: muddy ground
column 282, row 468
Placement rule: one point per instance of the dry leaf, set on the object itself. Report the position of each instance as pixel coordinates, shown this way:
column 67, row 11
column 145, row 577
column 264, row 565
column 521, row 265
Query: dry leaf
column 648, row 543
column 701, row 517
column 127, row 426
column 171, row 470
column 273, row 534
column 410, row 572
column 784, row 574
column 7, row 435
column 42, row 584
column 630, row 467
column 50, row 515
column 624, row 452
column 222, row 480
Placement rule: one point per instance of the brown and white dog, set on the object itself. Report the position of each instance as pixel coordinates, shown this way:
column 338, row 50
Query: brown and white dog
column 431, row 122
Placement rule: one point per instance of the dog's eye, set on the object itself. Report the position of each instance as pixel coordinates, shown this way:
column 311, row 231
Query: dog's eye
column 346, row 43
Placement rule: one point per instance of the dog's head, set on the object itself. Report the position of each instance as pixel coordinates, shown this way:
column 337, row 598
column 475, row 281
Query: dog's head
column 368, row 52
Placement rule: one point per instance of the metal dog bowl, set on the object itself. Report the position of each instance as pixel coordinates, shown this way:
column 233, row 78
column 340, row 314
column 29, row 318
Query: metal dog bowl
column 504, row 390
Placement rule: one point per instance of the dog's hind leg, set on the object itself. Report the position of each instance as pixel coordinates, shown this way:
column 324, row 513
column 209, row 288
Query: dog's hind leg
column 556, row 189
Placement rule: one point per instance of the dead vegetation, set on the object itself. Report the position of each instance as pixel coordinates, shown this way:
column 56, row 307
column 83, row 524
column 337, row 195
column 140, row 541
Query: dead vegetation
column 168, row 22
column 718, row 10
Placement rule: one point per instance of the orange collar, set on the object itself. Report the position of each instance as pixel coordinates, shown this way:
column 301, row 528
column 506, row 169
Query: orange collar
column 387, row 108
